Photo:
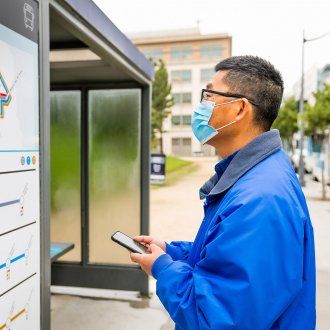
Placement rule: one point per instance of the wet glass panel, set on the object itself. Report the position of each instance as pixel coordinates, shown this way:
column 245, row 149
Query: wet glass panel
column 65, row 170
column 114, row 171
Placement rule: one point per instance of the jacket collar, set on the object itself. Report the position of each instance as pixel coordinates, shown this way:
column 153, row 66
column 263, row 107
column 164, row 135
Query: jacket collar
column 253, row 153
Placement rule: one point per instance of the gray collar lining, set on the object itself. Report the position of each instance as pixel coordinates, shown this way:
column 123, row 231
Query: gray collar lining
column 253, row 153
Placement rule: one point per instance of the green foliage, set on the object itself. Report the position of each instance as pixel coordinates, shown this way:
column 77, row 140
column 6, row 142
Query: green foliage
column 317, row 117
column 317, row 120
column 287, row 120
column 161, row 99
column 65, row 149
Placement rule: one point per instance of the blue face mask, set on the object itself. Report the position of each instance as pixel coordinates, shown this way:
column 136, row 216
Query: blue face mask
column 200, row 121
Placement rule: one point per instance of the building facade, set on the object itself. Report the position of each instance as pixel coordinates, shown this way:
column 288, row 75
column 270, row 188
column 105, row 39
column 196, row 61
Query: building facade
column 314, row 158
column 314, row 79
column 190, row 58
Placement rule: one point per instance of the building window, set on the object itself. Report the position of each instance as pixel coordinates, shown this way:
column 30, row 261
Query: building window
column 210, row 51
column 175, row 120
column 186, row 142
column 181, row 75
column 175, row 142
column 181, row 53
column 154, row 53
column 184, row 120
column 181, row 98
column 181, row 146
column 207, row 74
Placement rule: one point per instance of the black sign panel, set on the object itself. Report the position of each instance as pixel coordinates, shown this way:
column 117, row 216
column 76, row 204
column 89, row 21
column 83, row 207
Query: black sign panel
column 158, row 164
column 21, row 16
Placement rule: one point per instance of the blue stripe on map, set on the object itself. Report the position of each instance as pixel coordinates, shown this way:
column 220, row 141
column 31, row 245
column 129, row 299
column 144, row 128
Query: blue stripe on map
column 15, row 201
column 32, row 150
column 13, row 260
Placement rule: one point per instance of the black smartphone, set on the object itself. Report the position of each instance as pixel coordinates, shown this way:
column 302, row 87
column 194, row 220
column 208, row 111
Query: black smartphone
column 129, row 243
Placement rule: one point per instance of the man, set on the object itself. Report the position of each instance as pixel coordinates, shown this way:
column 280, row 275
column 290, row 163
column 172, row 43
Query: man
column 252, row 263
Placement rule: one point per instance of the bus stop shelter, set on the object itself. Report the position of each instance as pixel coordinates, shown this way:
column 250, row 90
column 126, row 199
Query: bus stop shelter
column 87, row 169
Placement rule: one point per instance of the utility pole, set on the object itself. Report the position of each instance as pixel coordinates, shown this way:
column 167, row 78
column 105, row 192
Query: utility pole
column 301, row 169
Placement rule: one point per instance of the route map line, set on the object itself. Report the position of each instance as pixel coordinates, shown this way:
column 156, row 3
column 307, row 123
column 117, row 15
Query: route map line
column 15, row 201
column 3, row 265
column 13, row 318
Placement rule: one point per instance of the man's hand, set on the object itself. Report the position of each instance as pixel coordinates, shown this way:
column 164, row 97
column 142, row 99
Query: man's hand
column 147, row 260
column 147, row 240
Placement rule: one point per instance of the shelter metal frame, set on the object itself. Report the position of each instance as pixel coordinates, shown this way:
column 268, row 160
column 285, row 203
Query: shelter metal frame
column 85, row 274
column 93, row 30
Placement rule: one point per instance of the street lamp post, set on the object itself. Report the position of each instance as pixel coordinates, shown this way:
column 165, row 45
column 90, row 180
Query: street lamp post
column 301, row 169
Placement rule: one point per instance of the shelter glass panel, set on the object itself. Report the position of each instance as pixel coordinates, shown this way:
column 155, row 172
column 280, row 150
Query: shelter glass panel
column 114, row 171
column 65, row 170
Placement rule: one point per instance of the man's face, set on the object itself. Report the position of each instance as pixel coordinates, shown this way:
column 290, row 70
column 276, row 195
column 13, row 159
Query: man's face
column 226, row 113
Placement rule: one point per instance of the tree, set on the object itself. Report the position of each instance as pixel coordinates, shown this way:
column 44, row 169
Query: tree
column 287, row 121
column 161, row 100
column 317, row 121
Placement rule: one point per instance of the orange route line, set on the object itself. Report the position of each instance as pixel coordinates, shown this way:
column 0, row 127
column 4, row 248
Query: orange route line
column 18, row 314
column 13, row 318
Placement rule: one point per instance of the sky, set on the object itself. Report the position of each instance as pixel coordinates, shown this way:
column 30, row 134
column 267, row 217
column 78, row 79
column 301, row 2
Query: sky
column 269, row 29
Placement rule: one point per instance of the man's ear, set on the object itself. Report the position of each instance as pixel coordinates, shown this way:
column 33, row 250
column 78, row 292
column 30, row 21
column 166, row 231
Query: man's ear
column 243, row 109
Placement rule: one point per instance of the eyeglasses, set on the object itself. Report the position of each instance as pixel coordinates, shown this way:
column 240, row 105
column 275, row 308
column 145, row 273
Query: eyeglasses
column 205, row 95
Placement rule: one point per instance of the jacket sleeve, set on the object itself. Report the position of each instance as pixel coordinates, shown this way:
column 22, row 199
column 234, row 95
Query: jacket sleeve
column 179, row 250
column 250, row 269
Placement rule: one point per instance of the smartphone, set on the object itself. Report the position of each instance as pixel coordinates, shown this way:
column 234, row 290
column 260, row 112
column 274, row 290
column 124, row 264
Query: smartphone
column 129, row 243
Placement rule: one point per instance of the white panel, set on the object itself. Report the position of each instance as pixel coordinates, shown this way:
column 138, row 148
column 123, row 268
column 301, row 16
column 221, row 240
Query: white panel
column 19, row 257
column 19, row 168
column 19, row 308
column 18, row 202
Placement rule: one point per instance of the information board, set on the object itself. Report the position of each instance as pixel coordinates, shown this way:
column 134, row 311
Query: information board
column 19, row 166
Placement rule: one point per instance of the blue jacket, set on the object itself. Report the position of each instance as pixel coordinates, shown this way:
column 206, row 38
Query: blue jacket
column 252, row 263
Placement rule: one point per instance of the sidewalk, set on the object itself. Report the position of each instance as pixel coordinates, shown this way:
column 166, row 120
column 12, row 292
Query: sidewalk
column 176, row 213
column 320, row 215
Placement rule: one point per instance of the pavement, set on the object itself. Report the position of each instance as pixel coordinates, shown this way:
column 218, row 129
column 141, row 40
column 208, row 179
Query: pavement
column 320, row 214
column 175, row 214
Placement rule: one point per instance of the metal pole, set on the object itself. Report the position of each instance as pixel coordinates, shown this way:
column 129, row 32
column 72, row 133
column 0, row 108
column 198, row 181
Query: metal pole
column 301, row 169
column 45, row 266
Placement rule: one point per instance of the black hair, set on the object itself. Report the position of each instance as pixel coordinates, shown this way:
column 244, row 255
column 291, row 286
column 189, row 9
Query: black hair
column 258, row 80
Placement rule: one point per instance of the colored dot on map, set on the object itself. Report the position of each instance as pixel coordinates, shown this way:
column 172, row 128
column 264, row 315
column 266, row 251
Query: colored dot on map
column 23, row 160
column 34, row 160
column 28, row 160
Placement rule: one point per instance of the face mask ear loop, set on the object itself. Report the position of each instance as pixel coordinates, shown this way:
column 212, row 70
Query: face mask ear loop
column 232, row 122
column 232, row 101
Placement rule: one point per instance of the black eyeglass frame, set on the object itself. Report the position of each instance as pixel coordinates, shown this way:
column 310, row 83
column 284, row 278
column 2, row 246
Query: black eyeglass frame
column 238, row 96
